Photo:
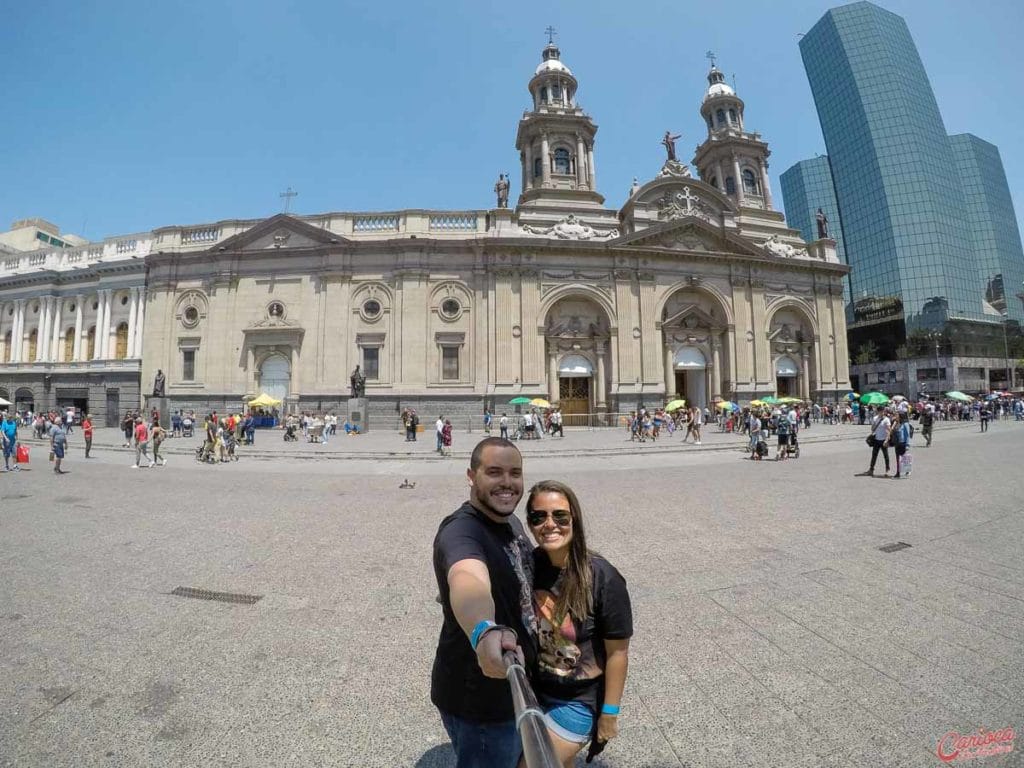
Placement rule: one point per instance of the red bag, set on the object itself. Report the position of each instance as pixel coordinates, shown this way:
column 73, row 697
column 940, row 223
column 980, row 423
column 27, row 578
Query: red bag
column 21, row 455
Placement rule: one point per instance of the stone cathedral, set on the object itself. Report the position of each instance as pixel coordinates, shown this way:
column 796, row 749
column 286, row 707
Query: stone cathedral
column 695, row 288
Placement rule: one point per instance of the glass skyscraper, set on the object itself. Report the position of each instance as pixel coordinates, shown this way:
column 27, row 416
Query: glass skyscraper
column 993, row 231
column 904, row 226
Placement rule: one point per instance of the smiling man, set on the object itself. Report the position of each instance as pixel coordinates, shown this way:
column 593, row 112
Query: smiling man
column 483, row 565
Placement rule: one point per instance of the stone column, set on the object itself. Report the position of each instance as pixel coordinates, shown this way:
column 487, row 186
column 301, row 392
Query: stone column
column 293, row 389
column 716, row 369
column 15, row 353
column 602, row 393
column 721, row 175
column 55, row 337
column 20, row 341
column 738, row 178
column 805, row 376
column 765, row 186
column 670, row 372
column 77, row 352
column 97, row 347
column 42, row 326
column 545, row 160
column 133, row 309
column 591, row 173
column 553, row 394
column 140, row 317
column 103, row 329
column 527, row 168
column 581, row 179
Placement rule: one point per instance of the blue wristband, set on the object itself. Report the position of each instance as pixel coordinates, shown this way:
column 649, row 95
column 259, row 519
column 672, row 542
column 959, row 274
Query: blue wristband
column 478, row 630
column 610, row 709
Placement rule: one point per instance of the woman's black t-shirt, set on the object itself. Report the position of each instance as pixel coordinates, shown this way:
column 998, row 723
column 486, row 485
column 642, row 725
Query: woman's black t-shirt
column 571, row 656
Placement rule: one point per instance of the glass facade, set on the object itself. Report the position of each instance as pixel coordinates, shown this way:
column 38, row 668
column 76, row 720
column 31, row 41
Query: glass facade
column 903, row 221
column 994, row 234
column 806, row 187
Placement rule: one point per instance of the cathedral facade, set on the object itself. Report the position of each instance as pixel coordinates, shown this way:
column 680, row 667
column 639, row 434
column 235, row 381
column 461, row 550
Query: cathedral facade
column 695, row 288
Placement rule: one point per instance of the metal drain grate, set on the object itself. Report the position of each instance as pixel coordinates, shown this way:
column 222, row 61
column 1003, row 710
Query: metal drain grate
column 895, row 547
column 223, row 597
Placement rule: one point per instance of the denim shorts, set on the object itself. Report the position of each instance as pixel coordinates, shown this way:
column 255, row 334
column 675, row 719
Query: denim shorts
column 570, row 720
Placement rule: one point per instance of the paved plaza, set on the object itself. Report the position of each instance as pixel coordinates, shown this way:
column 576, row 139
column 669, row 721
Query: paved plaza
column 770, row 628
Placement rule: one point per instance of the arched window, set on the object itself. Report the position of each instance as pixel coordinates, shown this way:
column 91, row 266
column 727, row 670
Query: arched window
column 730, row 185
column 714, row 182
column 544, row 95
column 556, row 94
column 538, row 169
column 69, row 345
column 121, row 350
column 749, row 182
column 91, row 343
column 711, row 123
column 720, row 116
column 32, row 339
column 562, row 160
column 732, row 117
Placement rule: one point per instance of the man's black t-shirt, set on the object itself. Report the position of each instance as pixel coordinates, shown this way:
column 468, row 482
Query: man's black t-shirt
column 571, row 656
column 457, row 686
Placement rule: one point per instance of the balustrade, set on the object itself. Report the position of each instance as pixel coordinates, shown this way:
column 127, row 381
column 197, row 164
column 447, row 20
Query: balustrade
column 375, row 224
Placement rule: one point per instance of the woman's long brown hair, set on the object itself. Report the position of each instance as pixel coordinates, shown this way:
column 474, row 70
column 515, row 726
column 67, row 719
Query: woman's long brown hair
column 575, row 594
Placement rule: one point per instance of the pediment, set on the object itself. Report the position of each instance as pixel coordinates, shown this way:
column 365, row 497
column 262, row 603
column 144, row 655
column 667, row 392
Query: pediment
column 691, row 316
column 688, row 234
column 281, row 231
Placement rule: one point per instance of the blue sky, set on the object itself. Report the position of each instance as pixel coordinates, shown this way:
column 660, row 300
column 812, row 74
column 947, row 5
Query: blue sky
column 124, row 116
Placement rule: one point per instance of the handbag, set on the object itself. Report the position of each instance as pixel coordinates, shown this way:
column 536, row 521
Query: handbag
column 870, row 440
column 52, row 455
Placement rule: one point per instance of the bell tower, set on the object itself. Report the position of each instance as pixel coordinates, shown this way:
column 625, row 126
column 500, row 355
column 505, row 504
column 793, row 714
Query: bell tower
column 732, row 158
column 556, row 140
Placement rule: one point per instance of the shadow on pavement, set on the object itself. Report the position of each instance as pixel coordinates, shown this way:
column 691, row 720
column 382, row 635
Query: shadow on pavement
column 440, row 756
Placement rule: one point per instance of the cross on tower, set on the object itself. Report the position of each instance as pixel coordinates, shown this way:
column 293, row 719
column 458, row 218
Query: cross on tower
column 287, row 195
column 689, row 197
column 711, row 55
column 551, row 32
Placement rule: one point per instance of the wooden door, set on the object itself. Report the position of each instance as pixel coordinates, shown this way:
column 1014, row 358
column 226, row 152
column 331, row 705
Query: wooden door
column 574, row 400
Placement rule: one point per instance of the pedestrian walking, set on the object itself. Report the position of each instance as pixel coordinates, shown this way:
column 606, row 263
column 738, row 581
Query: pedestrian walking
column 900, row 441
column 881, row 425
column 983, row 416
column 503, row 426
column 9, row 439
column 58, row 444
column 157, row 436
column 439, row 434
column 87, row 433
column 927, row 422
column 446, row 438
column 483, row 566
column 584, row 624
column 141, row 437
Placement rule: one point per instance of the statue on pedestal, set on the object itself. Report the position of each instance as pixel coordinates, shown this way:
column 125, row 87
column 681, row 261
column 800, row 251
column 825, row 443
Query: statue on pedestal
column 501, row 190
column 670, row 144
column 357, row 383
column 158, row 384
column 822, row 220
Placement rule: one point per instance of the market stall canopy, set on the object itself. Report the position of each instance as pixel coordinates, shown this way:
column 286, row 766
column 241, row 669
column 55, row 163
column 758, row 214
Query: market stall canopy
column 263, row 401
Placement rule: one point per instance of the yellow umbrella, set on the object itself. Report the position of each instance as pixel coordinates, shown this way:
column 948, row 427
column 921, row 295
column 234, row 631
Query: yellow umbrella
column 790, row 400
column 757, row 402
column 540, row 402
column 264, row 401
column 675, row 405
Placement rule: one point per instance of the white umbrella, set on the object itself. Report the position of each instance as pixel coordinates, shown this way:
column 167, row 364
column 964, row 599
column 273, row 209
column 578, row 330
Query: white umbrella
column 5, row 402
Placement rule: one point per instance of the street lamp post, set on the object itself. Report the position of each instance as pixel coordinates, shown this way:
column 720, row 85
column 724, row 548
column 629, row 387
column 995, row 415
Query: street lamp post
column 1006, row 352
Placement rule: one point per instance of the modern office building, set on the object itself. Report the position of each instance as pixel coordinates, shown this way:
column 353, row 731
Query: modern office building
column 925, row 220
column 993, row 232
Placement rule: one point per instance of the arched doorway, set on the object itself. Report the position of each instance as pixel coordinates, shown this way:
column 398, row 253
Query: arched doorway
column 574, row 376
column 690, row 368
column 276, row 377
column 786, row 373
column 24, row 400
column 121, row 347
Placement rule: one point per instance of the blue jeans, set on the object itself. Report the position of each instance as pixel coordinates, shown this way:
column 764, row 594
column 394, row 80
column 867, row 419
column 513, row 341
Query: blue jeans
column 483, row 745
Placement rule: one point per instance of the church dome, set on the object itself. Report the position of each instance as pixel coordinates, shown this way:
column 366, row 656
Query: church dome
column 552, row 62
column 717, row 85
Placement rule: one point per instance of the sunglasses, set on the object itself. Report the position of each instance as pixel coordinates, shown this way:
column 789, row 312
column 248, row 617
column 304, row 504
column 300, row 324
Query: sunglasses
column 561, row 517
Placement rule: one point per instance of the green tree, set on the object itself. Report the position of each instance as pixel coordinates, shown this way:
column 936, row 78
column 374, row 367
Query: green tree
column 866, row 353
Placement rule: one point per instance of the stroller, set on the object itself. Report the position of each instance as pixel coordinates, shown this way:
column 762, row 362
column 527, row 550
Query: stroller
column 761, row 446
column 289, row 434
column 793, row 449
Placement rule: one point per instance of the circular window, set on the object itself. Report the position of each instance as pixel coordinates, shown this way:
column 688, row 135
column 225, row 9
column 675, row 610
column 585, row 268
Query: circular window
column 372, row 309
column 190, row 317
column 71, row 307
column 275, row 309
column 450, row 308
column 35, row 309
column 95, row 305
column 124, row 300
column 10, row 311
